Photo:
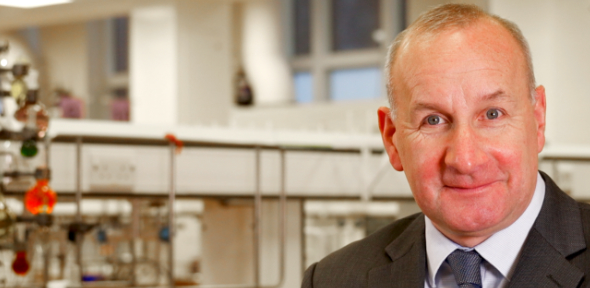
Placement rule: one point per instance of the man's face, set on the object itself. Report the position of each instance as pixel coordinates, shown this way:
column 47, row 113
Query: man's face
column 466, row 132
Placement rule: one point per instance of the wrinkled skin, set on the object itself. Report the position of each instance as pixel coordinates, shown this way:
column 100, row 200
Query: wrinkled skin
column 466, row 131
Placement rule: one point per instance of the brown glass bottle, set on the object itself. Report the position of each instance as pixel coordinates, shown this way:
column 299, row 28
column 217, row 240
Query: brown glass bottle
column 33, row 114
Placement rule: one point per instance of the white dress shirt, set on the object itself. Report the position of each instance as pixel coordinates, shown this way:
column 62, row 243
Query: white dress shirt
column 499, row 252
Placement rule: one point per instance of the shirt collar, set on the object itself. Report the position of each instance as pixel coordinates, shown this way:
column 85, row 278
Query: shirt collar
column 500, row 250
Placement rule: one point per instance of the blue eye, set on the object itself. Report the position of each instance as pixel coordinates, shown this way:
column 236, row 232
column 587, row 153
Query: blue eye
column 433, row 120
column 493, row 113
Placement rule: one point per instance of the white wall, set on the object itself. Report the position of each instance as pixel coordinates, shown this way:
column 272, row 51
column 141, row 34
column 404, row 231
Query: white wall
column 263, row 53
column 153, row 65
column 65, row 58
column 205, row 63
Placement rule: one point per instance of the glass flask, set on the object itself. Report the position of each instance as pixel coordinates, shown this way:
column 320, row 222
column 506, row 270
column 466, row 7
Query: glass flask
column 29, row 148
column 33, row 114
column 40, row 198
column 19, row 88
column 20, row 265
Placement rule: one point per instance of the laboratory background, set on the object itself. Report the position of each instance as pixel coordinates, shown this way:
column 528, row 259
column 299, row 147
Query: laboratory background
column 224, row 143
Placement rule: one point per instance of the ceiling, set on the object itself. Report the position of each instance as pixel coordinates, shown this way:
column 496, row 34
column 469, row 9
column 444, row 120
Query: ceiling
column 77, row 11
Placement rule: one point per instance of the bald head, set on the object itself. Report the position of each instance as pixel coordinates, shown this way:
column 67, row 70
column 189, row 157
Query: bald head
column 447, row 18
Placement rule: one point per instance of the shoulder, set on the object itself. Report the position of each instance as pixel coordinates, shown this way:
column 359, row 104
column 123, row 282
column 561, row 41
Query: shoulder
column 352, row 263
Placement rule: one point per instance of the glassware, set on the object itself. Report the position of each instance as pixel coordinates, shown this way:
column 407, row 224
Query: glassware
column 9, row 107
column 244, row 94
column 40, row 198
column 33, row 114
column 19, row 88
column 20, row 265
column 29, row 148
column 7, row 219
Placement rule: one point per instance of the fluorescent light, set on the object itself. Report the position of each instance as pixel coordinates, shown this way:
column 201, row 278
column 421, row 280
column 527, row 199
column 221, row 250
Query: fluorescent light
column 32, row 3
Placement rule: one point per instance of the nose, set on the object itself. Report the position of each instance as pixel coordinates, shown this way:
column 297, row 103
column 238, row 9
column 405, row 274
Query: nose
column 465, row 152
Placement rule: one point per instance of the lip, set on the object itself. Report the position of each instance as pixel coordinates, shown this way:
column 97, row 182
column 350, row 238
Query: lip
column 470, row 188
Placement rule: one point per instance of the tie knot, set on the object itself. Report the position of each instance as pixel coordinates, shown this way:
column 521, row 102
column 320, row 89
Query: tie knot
column 465, row 266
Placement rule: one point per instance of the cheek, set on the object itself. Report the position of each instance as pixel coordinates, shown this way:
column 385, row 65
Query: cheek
column 422, row 166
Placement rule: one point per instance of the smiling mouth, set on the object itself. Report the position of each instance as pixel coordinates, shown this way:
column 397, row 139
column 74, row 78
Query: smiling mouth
column 471, row 188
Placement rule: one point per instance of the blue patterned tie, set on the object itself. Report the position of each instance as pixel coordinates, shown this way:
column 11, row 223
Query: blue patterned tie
column 465, row 266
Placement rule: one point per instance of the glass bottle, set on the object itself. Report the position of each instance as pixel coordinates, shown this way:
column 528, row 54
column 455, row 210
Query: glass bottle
column 20, row 265
column 19, row 88
column 33, row 114
column 9, row 105
column 29, row 148
column 244, row 94
column 40, row 198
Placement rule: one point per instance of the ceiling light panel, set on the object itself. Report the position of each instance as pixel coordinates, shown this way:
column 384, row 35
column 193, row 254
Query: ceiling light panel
column 32, row 3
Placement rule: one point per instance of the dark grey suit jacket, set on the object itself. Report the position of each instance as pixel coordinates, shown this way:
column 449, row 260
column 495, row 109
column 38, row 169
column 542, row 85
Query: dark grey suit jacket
column 553, row 255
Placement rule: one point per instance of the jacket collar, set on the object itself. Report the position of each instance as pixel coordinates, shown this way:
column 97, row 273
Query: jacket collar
column 556, row 235
column 408, row 256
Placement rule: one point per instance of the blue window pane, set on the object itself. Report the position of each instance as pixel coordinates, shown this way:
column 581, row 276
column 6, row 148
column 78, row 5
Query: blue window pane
column 349, row 84
column 303, row 87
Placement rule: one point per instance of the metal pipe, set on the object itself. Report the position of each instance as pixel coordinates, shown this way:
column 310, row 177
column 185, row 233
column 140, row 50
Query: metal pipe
column 283, row 221
column 135, row 222
column 47, row 144
column 79, row 203
column 171, row 198
column 257, row 218
column 46, row 254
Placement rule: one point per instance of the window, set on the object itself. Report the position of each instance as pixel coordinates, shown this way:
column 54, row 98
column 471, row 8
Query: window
column 303, row 87
column 354, row 22
column 350, row 84
column 338, row 47
column 302, row 26
column 121, row 44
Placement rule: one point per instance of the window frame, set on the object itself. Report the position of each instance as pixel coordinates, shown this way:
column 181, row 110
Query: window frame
column 323, row 59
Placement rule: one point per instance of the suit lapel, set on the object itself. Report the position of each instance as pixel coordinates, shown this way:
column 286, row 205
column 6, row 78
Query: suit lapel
column 556, row 234
column 408, row 256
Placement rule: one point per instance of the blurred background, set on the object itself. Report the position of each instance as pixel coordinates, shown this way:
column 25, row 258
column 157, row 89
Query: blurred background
column 250, row 125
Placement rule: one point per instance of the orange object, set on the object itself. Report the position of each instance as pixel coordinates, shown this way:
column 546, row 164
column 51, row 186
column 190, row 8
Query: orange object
column 40, row 198
column 20, row 265
column 175, row 141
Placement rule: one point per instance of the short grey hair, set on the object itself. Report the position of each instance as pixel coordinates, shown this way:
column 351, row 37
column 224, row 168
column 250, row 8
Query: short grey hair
column 443, row 18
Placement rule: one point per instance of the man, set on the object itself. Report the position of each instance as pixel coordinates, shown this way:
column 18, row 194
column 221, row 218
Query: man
column 466, row 127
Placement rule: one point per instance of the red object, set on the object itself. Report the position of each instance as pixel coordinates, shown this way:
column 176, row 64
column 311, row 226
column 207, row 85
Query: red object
column 175, row 141
column 40, row 198
column 20, row 265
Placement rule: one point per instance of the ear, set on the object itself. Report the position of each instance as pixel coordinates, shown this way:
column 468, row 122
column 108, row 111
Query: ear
column 387, row 128
column 540, row 110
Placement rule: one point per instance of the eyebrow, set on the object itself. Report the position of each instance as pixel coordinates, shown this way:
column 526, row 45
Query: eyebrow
column 497, row 95
column 494, row 96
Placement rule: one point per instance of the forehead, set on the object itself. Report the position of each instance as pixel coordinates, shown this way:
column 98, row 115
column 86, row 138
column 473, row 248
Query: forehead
column 484, row 49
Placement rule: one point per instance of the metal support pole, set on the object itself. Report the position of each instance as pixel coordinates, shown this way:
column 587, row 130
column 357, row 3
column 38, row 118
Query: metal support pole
column 46, row 254
column 47, row 144
column 283, row 211
column 171, row 198
column 135, row 233
column 46, row 245
column 257, row 218
column 79, row 203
